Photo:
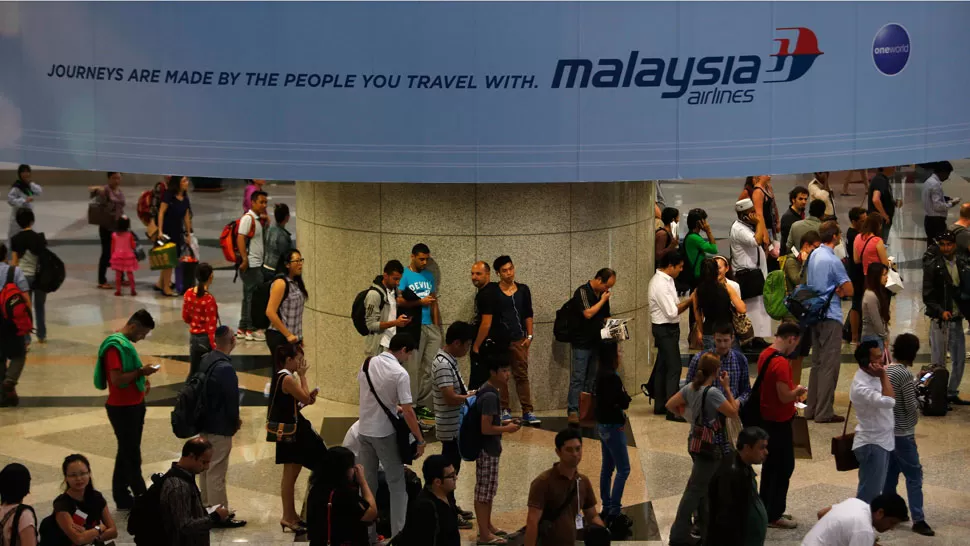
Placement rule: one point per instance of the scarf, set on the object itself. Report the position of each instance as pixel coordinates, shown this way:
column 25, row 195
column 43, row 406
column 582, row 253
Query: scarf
column 23, row 187
column 130, row 361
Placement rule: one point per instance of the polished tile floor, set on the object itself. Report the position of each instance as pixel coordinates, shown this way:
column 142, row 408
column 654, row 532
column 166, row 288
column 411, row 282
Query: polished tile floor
column 62, row 413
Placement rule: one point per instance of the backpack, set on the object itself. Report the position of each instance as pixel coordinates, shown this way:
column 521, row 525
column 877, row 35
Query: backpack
column 806, row 304
column 188, row 415
column 144, row 522
column 260, row 300
column 13, row 306
column 358, row 312
column 227, row 240
column 750, row 412
column 148, row 202
column 14, row 517
column 775, row 293
column 50, row 272
column 470, row 429
column 932, row 395
column 50, row 533
column 562, row 328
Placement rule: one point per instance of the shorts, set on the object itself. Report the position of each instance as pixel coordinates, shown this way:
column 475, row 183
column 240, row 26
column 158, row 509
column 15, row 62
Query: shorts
column 486, row 478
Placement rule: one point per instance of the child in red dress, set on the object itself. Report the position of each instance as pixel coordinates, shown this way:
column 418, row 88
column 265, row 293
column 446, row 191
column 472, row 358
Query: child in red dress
column 123, row 260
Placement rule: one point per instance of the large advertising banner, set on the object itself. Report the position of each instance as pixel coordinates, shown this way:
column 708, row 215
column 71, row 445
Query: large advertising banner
column 483, row 91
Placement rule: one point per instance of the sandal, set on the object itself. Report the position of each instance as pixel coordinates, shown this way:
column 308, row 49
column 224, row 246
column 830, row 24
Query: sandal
column 106, row 286
column 496, row 540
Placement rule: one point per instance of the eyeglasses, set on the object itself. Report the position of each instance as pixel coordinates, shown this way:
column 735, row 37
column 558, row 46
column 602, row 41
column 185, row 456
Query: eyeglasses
column 452, row 476
column 79, row 475
column 300, row 261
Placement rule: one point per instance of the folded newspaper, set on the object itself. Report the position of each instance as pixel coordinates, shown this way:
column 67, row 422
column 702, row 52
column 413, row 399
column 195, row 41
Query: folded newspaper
column 616, row 330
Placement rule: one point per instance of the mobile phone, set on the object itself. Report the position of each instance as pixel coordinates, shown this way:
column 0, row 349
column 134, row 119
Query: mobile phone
column 212, row 509
column 156, row 366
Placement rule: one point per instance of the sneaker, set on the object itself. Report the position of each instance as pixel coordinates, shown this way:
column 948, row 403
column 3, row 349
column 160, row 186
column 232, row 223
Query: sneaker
column 782, row 523
column 506, row 416
column 573, row 418
column 240, row 334
column 957, row 401
column 622, row 520
column 424, row 414
column 464, row 523
column 258, row 335
column 248, row 335
column 529, row 418
column 920, row 527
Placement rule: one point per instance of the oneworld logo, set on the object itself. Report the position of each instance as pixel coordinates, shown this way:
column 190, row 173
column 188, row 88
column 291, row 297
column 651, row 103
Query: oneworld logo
column 890, row 49
column 701, row 78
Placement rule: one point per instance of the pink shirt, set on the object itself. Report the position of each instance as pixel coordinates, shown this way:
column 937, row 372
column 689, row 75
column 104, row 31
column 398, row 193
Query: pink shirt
column 870, row 254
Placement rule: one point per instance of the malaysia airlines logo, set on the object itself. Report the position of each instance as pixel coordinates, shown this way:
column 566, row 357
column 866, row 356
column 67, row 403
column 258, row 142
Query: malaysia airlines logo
column 802, row 57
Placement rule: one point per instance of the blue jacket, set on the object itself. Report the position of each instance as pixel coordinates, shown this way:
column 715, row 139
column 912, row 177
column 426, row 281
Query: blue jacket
column 222, row 395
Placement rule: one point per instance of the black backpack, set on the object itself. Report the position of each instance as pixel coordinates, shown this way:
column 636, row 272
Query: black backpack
column 145, row 523
column 470, row 432
column 562, row 328
column 257, row 305
column 358, row 313
column 188, row 416
column 932, row 395
column 14, row 517
column 50, row 272
column 750, row 412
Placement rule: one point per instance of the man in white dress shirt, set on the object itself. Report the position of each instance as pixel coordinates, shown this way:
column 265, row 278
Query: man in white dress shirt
column 665, row 310
column 748, row 239
column 873, row 397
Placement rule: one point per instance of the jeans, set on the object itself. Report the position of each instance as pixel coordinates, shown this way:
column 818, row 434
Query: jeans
column 198, row 348
column 667, row 379
column 694, row 498
column 212, row 482
column 777, row 469
column 128, row 422
column 251, row 278
column 449, row 448
column 105, row 236
column 824, row 376
column 38, row 300
column 905, row 459
column 949, row 336
column 383, row 451
column 14, row 353
column 877, row 339
column 615, row 457
column 583, row 376
column 934, row 225
column 873, row 468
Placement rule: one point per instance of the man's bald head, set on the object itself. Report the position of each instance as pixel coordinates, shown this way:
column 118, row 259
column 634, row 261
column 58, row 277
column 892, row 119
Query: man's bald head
column 481, row 274
column 965, row 211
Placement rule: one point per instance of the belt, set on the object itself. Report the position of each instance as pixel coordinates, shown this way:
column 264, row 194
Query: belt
column 667, row 325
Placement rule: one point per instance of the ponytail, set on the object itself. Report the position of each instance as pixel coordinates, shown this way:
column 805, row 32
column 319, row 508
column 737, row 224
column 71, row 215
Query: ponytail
column 203, row 275
column 706, row 368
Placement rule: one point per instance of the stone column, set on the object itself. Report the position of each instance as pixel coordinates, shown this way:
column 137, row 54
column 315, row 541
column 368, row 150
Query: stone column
column 558, row 235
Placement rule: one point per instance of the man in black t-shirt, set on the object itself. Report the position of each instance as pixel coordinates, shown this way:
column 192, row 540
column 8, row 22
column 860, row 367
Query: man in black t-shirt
column 857, row 217
column 881, row 198
column 482, row 280
column 591, row 305
column 431, row 519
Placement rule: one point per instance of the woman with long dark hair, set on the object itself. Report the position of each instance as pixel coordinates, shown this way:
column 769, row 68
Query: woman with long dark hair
column 201, row 313
column 287, row 297
column 868, row 247
column 18, row 522
column 875, row 305
column 81, row 512
column 713, row 301
column 612, row 401
column 340, row 505
column 174, row 223
column 304, row 448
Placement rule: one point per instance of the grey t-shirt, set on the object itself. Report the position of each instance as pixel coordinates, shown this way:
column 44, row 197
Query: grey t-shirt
column 963, row 236
column 489, row 402
column 693, row 398
column 445, row 416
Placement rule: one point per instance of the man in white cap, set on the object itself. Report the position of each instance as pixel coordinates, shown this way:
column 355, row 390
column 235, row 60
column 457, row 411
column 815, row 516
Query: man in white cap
column 749, row 238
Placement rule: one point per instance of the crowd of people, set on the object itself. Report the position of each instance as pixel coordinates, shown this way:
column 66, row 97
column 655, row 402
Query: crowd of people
column 410, row 382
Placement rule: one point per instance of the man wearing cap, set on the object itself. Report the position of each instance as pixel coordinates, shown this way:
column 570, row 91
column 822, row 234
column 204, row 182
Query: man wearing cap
column 749, row 237
column 942, row 265
column 935, row 204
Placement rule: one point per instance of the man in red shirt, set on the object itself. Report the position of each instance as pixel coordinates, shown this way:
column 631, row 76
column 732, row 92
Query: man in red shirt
column 777, row 396
column 119, row 369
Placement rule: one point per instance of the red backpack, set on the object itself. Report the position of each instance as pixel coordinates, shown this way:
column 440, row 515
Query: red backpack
column 227, row 241
column 13, row 306
column 148, row 202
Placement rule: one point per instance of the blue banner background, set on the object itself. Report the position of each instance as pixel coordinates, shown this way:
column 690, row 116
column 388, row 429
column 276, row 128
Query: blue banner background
column 842, row 114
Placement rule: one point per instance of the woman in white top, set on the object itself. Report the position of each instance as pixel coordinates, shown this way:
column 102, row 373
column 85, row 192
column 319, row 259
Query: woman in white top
column 819, row 189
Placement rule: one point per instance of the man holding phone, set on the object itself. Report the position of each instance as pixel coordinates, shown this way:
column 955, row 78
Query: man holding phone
column 591, row 309
column 380, row 309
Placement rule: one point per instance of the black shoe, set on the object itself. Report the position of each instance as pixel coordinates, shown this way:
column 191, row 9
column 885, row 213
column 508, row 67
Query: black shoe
column 465, row 513
column 464, row 523
column 956, row 401
column 920, row 527
column 621, row 520
column 231, row 523
column 125, row 503
column 675, row 418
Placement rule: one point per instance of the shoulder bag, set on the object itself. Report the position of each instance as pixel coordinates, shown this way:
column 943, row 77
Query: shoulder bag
column 702, row 440
column 842, row 447
column 407, row 449
column 547, row 522
column 280, row 432
column 751, row 281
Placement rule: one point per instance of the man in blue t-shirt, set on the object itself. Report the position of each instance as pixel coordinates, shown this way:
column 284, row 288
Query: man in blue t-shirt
column 419, row 290
column 825, row 274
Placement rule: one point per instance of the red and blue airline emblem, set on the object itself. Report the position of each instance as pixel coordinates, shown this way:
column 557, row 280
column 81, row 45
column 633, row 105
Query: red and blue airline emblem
column 802, row 58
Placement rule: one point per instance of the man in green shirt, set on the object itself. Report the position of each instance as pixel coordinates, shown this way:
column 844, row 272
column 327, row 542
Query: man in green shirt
column 737, row 515
column 695, row 245
column 816, row 210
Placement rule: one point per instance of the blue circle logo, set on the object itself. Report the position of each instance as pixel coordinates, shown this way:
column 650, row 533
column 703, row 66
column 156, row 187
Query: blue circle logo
column 890, row 49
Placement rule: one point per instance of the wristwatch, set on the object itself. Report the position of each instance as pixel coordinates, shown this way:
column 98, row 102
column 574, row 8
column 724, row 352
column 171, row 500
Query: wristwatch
column 529, row 337
column 98, row 529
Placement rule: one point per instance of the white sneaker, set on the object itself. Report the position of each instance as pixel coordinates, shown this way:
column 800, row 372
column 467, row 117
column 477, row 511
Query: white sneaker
column 240, row 334
column 249, row 336
column 258, row 335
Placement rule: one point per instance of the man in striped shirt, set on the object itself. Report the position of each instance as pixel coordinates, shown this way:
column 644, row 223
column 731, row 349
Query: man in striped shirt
column 905, row 458
column 449, row 394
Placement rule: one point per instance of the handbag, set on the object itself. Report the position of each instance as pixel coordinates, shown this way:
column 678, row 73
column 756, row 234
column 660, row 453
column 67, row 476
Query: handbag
column 407, row 449
column 842, row 447
column 701, row 441
column 751, row 281
column 743, row 329
column 587, row 409
column 140, row 254
column 99, row 212
column 280, row 432
column 895, row 282
column 801, row 440
column 163, row 257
